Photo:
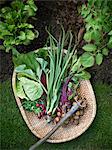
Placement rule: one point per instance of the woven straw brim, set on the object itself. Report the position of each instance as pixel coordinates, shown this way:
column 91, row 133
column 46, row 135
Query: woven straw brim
column 40, row 128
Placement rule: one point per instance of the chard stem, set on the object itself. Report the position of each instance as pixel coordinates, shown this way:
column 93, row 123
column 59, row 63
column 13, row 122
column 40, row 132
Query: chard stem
column 43, row 87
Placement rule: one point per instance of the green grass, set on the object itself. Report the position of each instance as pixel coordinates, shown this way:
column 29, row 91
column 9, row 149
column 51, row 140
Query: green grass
column 16, row 136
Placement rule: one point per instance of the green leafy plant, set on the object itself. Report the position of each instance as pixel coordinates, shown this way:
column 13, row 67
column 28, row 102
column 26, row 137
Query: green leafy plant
column 31, row 106
column 97, row 16
column 14, row 26
column 28, row 85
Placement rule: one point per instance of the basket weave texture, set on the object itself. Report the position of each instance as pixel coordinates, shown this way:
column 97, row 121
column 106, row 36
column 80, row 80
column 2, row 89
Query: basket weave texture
column 40, row 128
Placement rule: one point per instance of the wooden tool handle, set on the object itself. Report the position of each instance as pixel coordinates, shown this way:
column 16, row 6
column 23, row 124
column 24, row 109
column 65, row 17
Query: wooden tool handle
column 72, row 111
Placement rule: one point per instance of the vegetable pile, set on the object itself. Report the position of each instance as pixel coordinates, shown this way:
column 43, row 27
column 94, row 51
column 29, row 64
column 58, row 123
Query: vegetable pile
column 48, row 78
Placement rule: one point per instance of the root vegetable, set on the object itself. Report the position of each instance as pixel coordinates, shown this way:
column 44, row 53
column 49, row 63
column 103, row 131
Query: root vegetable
column 72, row 120
column 69, row 114
column 49, row 114
column 68, row 110
column 59, row 114
column 76, row 122
column 76, row 117
column 81, row 112
column 57, row 119
column 63, row 115
column 58, row 109
column 37, row 105
column 78, row 113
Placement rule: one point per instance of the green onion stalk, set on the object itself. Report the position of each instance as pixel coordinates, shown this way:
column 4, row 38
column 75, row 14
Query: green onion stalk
column 59, row 65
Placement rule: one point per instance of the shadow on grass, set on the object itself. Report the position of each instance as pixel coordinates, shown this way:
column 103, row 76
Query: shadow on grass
column 16, row 136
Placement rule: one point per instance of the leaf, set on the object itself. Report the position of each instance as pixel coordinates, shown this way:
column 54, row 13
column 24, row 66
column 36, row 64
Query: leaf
column 84, row 75
column 37, row 110
column 26, row 42
column 25, row 25
column 99, row 58
column 9, row 42
column 22, row 35
column 105, row 51
column 91, row 2
column 8, row 48
column 70, row 84
column 5, row 9
column 29, row 59
column 5, row 33
column 29, row 10
column 2, row 26
column 87, row 36
column 110, row 33
column 109, row 44
column 20, row 68
column 88, row 18
column 11, row 27
column 43, row 63
column 76, row 66
column 28, row 73
column 22, row 71
column 32, row 89
column 88, row 26
column 85, row 11
column 19, row 91
column 96, row 36
column 17, row 5
column 87, row 60
column 89, row 47
column 39, row 72
column 27, row 105
column 43, row 53
column 30, row 35
column 32, row 5
column 9, row 17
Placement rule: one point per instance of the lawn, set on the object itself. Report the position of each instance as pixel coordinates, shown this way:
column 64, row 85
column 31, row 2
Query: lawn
column 16, row 136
